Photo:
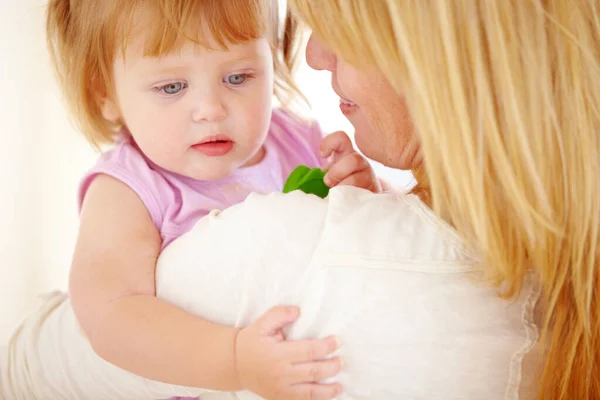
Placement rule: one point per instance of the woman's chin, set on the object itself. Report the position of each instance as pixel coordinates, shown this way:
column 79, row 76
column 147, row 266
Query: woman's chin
column 368, row 149
column 363, row 138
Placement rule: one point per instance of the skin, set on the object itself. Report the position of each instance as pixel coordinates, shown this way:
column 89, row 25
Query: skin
column 167, row 105
column 383, row 128
column 171, row 103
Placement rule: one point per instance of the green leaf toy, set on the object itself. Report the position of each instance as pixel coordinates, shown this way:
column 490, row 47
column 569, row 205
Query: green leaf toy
column 308, row 180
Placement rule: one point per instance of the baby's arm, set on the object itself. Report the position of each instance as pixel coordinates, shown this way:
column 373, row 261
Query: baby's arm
column 113, row 292
column 112, row 289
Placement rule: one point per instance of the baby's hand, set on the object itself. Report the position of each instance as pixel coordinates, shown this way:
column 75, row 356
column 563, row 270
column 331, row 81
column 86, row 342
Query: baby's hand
column 349, row 167
column 277, row 369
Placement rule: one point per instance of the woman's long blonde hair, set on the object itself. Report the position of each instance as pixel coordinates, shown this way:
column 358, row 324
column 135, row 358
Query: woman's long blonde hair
column 505, row 96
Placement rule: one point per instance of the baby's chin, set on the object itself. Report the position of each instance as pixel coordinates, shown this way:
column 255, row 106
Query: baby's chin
column 211, row 173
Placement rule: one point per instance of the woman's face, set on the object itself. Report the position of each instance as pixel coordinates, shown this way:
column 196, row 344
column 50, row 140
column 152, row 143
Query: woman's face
column 383, row 128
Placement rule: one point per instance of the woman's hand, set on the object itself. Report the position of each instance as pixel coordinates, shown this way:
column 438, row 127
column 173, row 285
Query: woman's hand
column 349, row 167
column 277, row 369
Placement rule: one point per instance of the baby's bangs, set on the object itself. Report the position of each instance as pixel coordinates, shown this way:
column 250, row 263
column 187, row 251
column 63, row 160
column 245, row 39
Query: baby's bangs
column 166, row 25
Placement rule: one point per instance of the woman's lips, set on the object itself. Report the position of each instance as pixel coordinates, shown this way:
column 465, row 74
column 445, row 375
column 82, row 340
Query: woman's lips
column 214, row 146
column 347, row 107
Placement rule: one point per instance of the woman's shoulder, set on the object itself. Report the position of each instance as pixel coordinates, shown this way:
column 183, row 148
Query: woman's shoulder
column 391, row 227
column 355, row 225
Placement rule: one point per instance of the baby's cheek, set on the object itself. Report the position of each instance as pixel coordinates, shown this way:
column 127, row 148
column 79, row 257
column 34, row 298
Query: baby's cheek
column 259, row 118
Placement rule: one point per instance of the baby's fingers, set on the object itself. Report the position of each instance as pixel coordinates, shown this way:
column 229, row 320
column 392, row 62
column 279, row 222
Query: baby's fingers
column 303, row 351
column 272, row 321
column 351, row 164
column 316, row 391
column 337, row 143
column 316, row 371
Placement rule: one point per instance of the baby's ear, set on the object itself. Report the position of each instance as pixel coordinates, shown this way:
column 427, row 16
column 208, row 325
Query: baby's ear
column 109, row 109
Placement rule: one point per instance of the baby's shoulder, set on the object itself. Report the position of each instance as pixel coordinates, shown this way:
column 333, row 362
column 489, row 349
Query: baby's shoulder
column 124, row 154
column 126, row 163
column 286, row 125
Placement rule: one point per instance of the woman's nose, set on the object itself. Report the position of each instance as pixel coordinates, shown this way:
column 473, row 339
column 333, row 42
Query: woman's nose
column 319, row 56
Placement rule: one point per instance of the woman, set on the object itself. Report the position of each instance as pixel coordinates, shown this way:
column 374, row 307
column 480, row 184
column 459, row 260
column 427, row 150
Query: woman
column 495, row 106
column 505, row 100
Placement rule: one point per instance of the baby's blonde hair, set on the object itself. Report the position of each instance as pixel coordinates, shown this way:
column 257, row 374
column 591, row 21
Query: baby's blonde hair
column 505, row 96
column 84, row 36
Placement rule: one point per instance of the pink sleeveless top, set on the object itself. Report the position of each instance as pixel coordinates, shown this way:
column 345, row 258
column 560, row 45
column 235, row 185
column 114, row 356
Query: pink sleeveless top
column 176, row 202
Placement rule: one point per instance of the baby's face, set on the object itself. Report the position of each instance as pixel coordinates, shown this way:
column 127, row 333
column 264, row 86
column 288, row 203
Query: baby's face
column 197, row 112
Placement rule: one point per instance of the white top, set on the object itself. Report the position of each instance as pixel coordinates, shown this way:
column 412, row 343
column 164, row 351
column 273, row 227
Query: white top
column 379, row 271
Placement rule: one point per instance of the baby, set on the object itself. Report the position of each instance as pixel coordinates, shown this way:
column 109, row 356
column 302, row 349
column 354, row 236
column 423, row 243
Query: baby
column 182, row 90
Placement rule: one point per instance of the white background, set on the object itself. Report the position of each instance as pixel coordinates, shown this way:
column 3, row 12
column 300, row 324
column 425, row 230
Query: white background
column 42, row 159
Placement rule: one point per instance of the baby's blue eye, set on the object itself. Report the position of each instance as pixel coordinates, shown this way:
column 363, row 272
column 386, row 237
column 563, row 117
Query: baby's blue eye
column 236, row 79
column 172, row 88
